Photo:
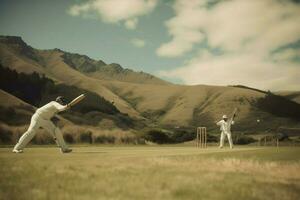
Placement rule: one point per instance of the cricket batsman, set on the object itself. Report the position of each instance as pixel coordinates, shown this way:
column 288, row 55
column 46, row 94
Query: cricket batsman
column 42, row 119
column 225, row 127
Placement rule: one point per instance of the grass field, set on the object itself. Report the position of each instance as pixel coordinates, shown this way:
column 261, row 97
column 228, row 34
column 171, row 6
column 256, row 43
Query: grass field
column 155, row 172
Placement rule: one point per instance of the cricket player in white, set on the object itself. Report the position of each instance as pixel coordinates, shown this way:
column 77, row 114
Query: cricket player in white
column 225, row 127
column 42, row 119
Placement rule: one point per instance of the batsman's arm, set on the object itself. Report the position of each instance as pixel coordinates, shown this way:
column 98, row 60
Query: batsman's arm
column 60, row 107
column 219, row 123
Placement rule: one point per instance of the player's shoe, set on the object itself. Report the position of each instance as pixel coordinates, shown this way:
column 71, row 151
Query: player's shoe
column 220, row 147
column 66, row 150
column 17, row 151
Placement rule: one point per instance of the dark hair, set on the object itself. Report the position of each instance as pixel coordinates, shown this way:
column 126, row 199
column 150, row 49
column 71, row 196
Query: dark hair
column 60, row 100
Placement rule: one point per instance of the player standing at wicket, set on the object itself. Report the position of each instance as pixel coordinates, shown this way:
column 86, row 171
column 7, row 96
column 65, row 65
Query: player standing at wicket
column 225, row 127
column 42, row 119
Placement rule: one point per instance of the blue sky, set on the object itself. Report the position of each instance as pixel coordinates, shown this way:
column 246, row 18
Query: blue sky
column 47, row 24
column 254, row 43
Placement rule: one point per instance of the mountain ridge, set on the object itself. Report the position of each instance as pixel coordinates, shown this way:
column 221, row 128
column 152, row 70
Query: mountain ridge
column 155, row 101
column 83, row 63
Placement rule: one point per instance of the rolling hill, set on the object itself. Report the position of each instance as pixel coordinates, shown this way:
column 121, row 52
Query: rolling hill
column 140, row 95
column 19, row 112
column 292, row 95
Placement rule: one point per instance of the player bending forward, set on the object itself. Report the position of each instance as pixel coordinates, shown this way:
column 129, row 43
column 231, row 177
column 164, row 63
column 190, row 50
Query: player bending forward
column 42, row 119
column 225, row 127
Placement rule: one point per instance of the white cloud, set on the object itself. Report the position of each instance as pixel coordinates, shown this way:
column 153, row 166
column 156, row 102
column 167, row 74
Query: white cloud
column 234, row 69
column 131, row 23
column 184, row 28
column 138, row 42
column 76, row 10
column 247, row 31
column 231, row 24
column 113, row 11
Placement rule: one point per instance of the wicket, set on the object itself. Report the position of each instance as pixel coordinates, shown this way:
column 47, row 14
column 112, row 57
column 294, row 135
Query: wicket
column 201, row 137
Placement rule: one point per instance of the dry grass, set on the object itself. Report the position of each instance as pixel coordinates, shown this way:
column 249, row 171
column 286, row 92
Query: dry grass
column 115, row 136
column 72, row 133
column 161, row 172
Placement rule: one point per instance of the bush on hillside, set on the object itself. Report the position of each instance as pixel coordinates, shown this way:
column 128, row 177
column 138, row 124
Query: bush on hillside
column 69, row 138
column 242, row 139
column 38, row 90
column 179, row 136
column 13, row 116
column 175, row 136
column 158, row 137
column 86, row 137
column 5, row 135
column 278, row 106
column 104, row 139
column 129, row 140
column 245, row 140
column 43, row 137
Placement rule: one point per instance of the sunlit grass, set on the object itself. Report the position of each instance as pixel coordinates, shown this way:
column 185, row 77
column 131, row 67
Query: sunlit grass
column 142, row 172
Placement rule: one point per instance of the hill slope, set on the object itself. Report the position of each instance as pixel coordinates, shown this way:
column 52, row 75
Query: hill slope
column 140, row 95
column 292, row 95
column 15, row 54
column 13, row 110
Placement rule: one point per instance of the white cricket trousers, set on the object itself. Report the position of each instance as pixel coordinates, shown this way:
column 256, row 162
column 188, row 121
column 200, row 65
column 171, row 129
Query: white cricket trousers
column 36, row 123
column 228, row 134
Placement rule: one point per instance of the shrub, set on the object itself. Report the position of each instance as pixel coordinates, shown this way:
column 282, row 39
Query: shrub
column 212, row 138
column 43, row 137
column 11, row 116
column 69, row 138
column 243, row 140
column 140, row 140
column 128, row 140
column 104, row 139
column 179, row 136
column 158, row 137
column 86, row 137
column 176, row 136
column 5, row 135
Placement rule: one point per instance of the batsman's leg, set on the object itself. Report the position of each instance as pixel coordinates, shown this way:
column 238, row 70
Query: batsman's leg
column 29, row 134
column 222, row 138
column 230, row 140
column 56, row 133
column 60, row 139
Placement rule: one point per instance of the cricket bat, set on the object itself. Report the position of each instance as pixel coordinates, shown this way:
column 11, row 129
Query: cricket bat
column 233, row 114
column 76, row 100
